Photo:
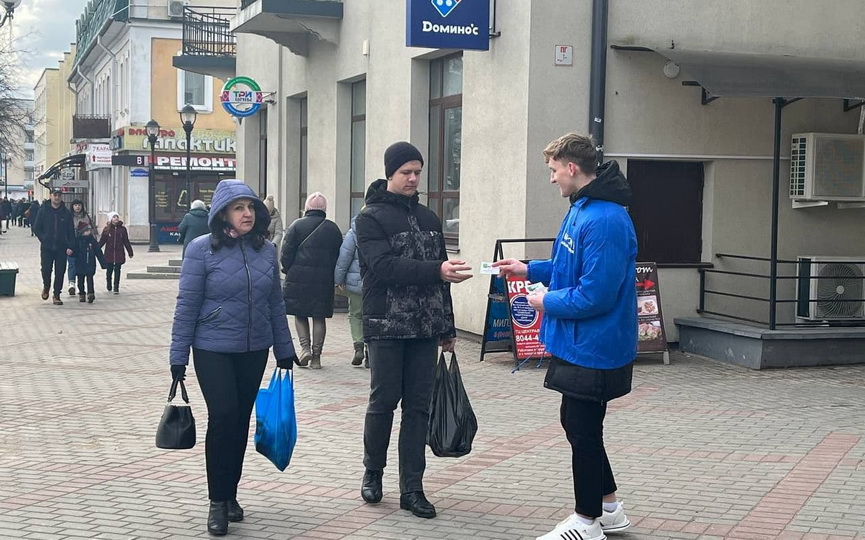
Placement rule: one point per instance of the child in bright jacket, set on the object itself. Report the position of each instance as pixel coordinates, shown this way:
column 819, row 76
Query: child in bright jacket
column 115, row 240
column 87, row 252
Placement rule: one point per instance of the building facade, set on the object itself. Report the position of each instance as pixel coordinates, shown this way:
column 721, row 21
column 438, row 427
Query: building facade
column 54, row 108
column 123, row 77
column 17, row 154
column 345, row 86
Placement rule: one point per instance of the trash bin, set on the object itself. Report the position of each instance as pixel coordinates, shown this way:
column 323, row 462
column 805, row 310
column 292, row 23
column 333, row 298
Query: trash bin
column 8, row 276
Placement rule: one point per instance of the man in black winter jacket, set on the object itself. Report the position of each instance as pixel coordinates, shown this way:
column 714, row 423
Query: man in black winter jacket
column 407, row 314
column 54, row 229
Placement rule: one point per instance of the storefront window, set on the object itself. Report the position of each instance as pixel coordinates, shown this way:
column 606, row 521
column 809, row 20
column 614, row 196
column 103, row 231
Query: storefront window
column 358, row 146
column 445, row 142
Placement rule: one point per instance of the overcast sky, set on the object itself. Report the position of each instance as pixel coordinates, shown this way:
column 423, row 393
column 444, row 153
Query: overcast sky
column 45, row 29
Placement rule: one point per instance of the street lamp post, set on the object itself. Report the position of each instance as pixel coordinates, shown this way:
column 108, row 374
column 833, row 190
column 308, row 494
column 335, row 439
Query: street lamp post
column 6, row 173
column 152, row 129
column 188, row 116
column 9, row 6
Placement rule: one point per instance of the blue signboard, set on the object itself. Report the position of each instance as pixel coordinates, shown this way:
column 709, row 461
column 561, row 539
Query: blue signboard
column 448, row 24
column 167, row 233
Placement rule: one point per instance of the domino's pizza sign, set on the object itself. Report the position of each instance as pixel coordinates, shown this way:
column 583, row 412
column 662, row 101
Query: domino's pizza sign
column 448, row 24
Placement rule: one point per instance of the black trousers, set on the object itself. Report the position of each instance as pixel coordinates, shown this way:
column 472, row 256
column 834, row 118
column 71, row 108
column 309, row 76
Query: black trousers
column 53, row 259
column 400, row 369
column 230, row 384
column 81, row 290
column 583, row 422
column 113, row 269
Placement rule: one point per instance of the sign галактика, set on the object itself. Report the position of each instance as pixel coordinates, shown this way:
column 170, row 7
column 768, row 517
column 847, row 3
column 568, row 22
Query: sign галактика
column 448, row 24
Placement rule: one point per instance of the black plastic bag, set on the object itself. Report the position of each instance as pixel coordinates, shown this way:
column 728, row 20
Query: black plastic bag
column 452, row 422
column 176, row 430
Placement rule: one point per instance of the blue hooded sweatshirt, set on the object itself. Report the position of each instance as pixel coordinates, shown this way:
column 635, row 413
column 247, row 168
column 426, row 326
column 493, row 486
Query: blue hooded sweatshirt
column 590, row 314
column 230, row 300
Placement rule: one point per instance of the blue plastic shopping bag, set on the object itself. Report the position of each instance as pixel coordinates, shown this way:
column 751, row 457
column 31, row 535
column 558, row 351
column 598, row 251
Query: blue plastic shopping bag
column 275, row 419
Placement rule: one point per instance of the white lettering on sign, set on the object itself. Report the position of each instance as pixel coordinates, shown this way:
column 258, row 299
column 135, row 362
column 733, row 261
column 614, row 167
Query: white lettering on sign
column 643, row 269
column 516, row 287
column 470, row 30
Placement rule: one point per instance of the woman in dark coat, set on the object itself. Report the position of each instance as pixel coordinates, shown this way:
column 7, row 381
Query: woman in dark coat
column 309, row 254
column 115, row 240
column 194, row 223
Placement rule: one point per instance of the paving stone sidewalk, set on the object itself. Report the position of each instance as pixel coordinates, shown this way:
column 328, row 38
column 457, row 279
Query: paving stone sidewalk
column 700, row 449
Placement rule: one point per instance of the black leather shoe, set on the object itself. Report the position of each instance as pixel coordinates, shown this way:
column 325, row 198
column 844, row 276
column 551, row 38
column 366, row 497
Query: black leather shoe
column 416, row 502
column 235, row 512
column 217, row 518
column 370, row 489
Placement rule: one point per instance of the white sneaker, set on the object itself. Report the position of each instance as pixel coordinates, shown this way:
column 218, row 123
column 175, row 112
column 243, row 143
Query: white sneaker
column 614, row 522
column 573, row 528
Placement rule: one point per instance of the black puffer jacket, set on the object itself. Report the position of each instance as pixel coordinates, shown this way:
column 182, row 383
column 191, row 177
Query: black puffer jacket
column 54, row 227
column 309, row 254
column 401, row 250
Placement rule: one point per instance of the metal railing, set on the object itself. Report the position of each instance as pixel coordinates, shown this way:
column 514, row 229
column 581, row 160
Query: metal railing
column 207, row 31
column 773, row 299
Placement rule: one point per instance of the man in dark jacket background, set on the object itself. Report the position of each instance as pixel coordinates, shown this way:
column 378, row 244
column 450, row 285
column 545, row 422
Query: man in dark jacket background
column 56, row 236
column 194, row 223
column 407, row 314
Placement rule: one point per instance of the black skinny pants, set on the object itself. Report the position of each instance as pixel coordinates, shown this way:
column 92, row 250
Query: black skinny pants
column 81, row 278
column 230, row 384
column 113, row 269
column 583, row 422
column 400, row 369
column 53, row 259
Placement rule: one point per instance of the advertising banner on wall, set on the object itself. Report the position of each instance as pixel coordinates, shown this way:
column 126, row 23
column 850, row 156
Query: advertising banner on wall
column 448, row 24
column 207, row 141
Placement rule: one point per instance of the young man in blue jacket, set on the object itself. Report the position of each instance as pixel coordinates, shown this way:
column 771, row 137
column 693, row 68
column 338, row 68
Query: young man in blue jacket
column 590, row 322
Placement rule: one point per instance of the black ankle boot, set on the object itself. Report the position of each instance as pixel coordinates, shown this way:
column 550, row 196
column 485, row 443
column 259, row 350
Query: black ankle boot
column 217, row 518
column 416, row 503
column 235, row 511
column 370, row 488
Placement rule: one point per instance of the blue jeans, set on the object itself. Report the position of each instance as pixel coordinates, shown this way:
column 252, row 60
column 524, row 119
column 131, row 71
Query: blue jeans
column 70, row 269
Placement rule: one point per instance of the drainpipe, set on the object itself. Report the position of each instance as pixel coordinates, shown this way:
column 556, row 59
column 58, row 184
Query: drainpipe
column 598, row 74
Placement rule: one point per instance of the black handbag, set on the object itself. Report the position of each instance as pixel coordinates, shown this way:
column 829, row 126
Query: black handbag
column 176, row 430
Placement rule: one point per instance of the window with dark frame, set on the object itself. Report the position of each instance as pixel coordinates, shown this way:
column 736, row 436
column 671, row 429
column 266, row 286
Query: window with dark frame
column 358, row 146
column 667, row 210
column 304, row 153
column 445, row 143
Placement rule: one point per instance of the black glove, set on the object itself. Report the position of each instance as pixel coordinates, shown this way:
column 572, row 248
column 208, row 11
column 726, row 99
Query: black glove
column 286, row 363
column 178, row 372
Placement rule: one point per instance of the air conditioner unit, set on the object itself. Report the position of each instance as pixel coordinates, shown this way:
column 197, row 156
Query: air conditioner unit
column 827, row 167
column 175, row 9
column 830, row 288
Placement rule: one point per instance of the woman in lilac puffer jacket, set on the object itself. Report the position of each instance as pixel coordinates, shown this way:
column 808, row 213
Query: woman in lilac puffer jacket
column 230, row 312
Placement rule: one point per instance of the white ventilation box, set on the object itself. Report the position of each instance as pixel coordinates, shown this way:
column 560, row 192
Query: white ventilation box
column 830, row 288
column 827, row 167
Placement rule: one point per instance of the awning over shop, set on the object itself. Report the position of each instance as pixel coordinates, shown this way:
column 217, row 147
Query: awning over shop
column 763, row 75
column 75, row 160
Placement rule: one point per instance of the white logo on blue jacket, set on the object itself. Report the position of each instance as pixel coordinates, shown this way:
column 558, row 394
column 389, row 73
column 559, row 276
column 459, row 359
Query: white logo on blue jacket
column 567, row 242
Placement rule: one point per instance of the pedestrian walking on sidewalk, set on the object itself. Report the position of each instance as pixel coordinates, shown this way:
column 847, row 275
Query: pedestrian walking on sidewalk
column 276, row 229
column 407, row 314
column 34, row 215
column 193, row 224
column 589, row 324
column 309, row 255
column 87, row 253
column 347, row 277
column 79, row 215
column 115, row 240
column 229, row 312
column 56, row 238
